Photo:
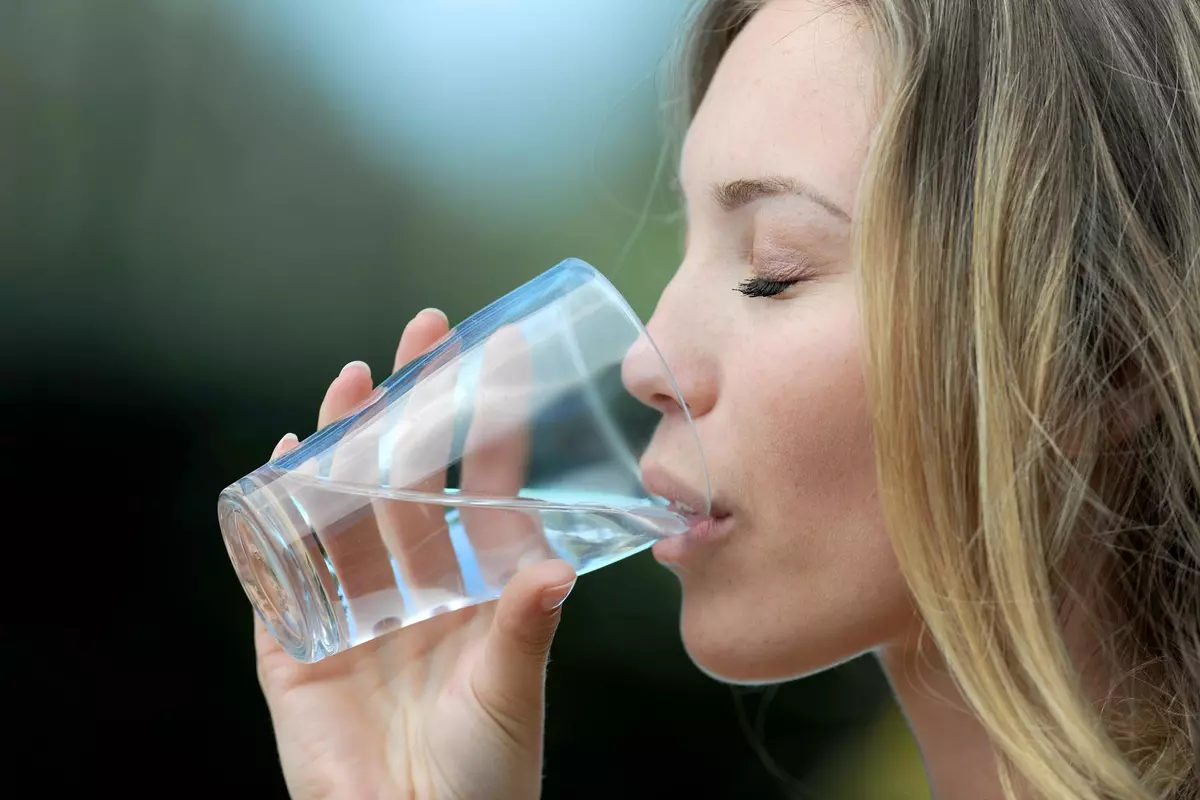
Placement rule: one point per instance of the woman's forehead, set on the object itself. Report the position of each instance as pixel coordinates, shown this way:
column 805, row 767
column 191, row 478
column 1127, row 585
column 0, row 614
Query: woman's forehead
column 791, row 97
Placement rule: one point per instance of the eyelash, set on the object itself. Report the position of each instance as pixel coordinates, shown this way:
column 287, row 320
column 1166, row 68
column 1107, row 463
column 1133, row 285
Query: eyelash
column 765, row 287
column 759, row 286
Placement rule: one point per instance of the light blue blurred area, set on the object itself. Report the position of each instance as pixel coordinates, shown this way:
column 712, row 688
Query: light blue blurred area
column 511, row 107
column 266, row 190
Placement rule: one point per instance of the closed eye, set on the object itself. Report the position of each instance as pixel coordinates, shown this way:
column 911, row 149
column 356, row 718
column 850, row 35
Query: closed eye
column 765, row 287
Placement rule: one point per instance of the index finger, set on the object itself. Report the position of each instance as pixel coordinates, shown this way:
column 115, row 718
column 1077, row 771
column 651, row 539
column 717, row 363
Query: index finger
column 496, row 460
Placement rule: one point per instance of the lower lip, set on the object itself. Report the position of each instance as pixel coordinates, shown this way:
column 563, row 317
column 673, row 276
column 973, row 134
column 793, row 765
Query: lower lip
column 704, row 532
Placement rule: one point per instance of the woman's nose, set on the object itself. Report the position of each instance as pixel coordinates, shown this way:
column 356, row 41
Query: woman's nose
column 647, row 379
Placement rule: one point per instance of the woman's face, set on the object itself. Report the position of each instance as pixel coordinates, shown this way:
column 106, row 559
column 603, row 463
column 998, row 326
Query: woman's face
column 799, row 575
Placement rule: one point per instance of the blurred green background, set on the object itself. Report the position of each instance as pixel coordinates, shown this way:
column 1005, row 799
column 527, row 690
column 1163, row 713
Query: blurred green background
column 206, row 209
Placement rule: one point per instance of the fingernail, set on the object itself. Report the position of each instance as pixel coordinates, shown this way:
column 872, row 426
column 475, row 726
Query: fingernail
column 284, row 444
column 555, row 596
column 353, row 365
column 437, row 311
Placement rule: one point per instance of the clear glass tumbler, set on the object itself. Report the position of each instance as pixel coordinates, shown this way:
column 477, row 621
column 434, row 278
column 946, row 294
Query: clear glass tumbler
column 514, row 439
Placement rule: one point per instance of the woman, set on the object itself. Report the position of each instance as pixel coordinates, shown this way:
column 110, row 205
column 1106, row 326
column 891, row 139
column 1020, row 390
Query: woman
column 952, row 412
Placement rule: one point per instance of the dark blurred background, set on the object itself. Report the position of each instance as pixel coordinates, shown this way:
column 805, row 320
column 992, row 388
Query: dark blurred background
column 206, row 209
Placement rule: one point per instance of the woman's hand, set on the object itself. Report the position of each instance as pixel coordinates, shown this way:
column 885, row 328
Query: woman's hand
column 449, row 708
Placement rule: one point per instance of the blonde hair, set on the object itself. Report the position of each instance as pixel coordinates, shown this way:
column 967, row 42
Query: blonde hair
column 1028, row 238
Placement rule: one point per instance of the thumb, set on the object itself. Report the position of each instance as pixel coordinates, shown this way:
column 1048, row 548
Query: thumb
column 512, row 678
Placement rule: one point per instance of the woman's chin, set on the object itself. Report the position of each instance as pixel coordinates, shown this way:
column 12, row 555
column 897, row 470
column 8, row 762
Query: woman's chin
column 739, row 646
column 735, row 668
column 734, row 654
column 769, row 624
column 738, row 672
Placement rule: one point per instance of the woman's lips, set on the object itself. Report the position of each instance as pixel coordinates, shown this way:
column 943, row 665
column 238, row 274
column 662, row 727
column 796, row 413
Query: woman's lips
column 689, row 504
column 683, row 497
column 703, row 530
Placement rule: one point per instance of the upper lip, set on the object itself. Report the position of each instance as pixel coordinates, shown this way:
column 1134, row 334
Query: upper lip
column 660, row 482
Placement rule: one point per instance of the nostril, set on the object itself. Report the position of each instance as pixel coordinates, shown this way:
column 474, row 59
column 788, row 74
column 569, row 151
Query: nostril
column 661, row 402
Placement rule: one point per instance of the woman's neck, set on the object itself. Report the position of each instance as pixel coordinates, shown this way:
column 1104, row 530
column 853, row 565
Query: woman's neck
column 958, row 755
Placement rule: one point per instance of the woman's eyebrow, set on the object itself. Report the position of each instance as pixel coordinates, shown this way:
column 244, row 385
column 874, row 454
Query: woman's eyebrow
column 743, row 191
column 733, row 195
